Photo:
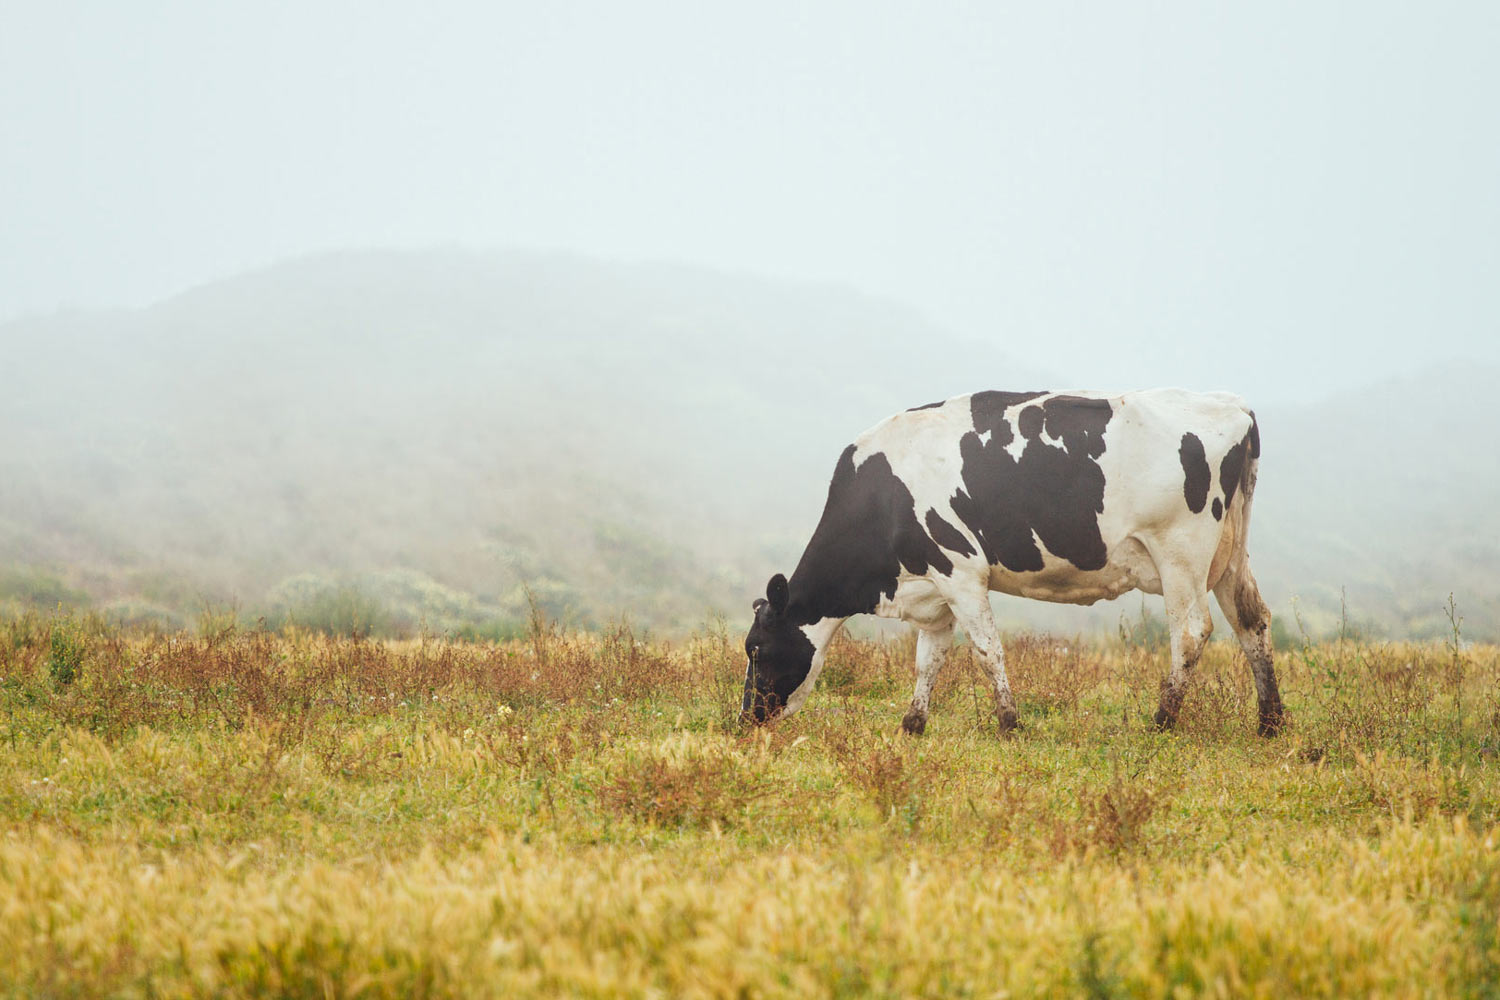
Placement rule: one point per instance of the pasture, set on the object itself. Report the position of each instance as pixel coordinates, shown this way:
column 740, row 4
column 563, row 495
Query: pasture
column 254, row 814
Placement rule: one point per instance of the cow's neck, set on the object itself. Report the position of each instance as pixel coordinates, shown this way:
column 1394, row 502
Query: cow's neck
column 820, row 629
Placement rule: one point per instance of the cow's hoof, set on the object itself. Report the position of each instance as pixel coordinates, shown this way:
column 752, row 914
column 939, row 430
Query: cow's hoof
column 1164, row 721
column 1009, row 721
column 914, row 724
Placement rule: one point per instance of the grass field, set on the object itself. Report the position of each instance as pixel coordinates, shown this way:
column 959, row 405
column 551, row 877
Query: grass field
column 579, row 815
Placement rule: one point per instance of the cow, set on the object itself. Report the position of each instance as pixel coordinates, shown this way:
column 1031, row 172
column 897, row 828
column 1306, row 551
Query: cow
column 1065, row 497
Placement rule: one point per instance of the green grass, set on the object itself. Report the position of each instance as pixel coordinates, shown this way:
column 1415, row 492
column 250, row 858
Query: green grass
column 256, row 814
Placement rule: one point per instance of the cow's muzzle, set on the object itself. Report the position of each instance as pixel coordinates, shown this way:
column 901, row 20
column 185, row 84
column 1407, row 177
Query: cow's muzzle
column 756, row 708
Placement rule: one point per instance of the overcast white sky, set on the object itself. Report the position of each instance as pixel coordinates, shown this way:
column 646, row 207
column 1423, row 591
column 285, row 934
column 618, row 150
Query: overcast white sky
column 1272, row 197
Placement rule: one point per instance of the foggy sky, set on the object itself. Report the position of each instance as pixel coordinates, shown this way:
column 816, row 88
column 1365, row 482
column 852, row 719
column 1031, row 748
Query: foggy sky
column 1279, row 198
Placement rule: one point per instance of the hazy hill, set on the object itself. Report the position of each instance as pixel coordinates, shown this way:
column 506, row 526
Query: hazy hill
column 622, row 439
column 424, row 433
column 1392, row 493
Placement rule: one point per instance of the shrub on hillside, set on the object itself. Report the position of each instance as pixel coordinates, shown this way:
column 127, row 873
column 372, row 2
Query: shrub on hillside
column 551, row 600
column 142, row 615
column 311, row 602
column 37, row 590
column 417, row 602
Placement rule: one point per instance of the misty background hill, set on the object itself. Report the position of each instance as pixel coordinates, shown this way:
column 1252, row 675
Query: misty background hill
column 427, row 438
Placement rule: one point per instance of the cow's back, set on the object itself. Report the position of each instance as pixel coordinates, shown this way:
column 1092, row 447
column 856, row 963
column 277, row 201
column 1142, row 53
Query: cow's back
column 1056, row 491
column 1152, row 451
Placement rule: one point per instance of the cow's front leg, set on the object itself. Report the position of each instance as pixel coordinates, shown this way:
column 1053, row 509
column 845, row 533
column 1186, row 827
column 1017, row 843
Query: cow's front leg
column 932, row 653
column 978, row 622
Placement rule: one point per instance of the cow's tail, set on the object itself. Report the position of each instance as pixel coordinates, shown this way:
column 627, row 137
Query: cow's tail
column 1251, row 450
column 1232, row 556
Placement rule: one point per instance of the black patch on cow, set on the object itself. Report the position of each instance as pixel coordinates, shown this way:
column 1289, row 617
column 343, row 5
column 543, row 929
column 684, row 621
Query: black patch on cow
column 1195, row 473
column 947, row 535
column 867, row 534
column 1079, row 423
column 1031, row 421
column 1254, row 436
column 1058, row 492
column 988, row 409
column 927, row 406
column 1218, row 509
column 1233, row 468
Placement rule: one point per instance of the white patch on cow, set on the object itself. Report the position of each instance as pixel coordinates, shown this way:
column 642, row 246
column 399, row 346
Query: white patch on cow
column 985, row 435
column 1017, row 442
column 820, row 634
column 917, row 600
column 925, row 455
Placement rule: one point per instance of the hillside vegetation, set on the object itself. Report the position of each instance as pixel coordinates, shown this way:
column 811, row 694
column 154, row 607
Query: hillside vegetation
column 390, row 441
column 247, row 814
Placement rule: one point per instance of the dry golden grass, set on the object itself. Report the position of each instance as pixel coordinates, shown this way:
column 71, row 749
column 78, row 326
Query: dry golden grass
column 266, row 815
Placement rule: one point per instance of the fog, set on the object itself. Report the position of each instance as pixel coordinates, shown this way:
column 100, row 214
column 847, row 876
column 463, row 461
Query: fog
column 340, row 290
column 1282, row 197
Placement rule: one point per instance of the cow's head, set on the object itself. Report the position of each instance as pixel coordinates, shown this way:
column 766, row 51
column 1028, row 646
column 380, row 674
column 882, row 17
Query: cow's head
column 778, row 656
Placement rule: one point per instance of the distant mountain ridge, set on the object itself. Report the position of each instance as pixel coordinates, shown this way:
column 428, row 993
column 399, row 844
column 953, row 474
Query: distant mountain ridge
column 1386, row 499
column 442, row 434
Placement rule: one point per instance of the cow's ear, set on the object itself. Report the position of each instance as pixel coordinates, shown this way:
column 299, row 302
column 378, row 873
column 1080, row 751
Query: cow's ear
column 757, row 604
column 776, row 593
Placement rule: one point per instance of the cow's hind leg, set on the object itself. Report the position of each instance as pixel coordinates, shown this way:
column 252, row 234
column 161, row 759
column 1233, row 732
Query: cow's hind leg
column 1240, row 599
column 932, row 653
column 1191, row 624
column 978, row 622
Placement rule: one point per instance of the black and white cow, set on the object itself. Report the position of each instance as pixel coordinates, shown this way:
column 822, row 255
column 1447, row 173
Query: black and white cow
column 1068, row 497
